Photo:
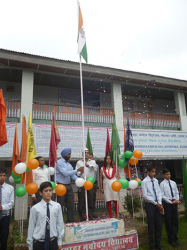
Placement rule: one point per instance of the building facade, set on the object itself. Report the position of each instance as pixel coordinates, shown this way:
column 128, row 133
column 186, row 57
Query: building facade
column 155, row 106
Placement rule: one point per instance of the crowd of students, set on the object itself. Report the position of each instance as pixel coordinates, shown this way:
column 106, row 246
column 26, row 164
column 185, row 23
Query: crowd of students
column 46, row 225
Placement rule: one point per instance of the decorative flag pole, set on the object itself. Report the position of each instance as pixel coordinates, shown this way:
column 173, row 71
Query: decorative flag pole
column 82, row 51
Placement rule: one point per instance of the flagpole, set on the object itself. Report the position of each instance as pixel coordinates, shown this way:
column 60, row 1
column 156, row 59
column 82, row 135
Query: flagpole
column 83, row 147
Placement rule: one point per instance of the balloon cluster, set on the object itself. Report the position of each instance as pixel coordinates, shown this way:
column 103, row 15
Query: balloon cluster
column 24, row 167
column 124, row 184
column 132, row 158
column 87, row 184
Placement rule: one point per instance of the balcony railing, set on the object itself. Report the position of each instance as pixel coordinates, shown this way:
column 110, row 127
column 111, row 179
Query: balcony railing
column 13, row 111
column 67, row 115
column 72, row 114
column 152, row 121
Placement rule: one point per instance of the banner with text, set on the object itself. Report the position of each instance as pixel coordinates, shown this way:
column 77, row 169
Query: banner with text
column 128, row 242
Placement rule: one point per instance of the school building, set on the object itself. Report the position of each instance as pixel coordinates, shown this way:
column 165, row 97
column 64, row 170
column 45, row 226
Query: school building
column 155, row 105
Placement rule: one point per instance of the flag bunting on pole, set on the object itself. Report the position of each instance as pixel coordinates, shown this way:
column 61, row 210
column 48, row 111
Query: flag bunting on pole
column 3, row 134
column 115, row 142
column 108, row 145
column 88, row 142
column 82, row 50
column 15, row 156
column 55, row 140
column 31, row 150
column 129, row 144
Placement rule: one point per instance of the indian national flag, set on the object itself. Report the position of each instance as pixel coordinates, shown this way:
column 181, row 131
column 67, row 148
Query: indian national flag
column 82, row 50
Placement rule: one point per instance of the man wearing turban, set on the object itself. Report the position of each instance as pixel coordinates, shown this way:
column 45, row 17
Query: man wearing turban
column 64, row 174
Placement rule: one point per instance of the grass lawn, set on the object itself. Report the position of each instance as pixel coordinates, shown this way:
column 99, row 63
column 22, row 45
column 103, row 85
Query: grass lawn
column 182, row 237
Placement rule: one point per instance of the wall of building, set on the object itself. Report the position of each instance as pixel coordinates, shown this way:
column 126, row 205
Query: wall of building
column 15, row 95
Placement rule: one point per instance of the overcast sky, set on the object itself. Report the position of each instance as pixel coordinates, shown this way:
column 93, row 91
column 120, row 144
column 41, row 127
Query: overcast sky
column 138, row 35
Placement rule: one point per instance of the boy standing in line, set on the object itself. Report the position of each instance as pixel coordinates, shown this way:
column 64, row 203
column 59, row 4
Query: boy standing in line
column 153, row 205
column 46, row 226
column 6, row 203
column 170, row 197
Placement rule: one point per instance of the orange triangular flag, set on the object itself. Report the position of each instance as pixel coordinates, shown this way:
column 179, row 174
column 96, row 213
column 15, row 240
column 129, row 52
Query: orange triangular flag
column 15, row 156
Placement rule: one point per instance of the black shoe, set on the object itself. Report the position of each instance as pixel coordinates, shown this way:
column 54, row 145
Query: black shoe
column 173, row 244
column 152, row 248
column 159, row 248
column 177, row 243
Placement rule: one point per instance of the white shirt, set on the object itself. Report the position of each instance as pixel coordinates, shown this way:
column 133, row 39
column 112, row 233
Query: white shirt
column 7, row 198
column 91, row 170
column 40, row 175
column 166, row 191
column 148, row 192
column 37, row 222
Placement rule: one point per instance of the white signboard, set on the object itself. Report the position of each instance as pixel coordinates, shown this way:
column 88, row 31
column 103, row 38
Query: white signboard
column 89, row 232
column 6, row 150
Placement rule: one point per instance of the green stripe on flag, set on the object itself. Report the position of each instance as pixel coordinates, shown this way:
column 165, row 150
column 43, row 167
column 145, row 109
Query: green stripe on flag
column 84, row 53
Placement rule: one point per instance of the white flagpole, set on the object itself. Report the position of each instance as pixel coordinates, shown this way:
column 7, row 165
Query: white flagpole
column 83, row 147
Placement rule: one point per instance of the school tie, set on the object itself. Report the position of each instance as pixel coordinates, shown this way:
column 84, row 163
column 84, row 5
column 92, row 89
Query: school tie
column 172, row 195
column 154, row 191
column 47, row 230
column 1, row 201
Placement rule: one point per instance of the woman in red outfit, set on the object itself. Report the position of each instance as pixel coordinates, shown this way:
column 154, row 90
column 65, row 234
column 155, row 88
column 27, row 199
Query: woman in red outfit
column 109, row 173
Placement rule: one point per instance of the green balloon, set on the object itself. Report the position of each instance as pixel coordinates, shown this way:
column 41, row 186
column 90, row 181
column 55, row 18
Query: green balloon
column 140, row 183
column 124, row 183
column 17, row 181
column 27, row 170
column 53, row 184
column 123, row 156
column 15, row 176
column 90, row 178
column 46, row 166
column 128, row 154
column 122, row 163
column 20, row 191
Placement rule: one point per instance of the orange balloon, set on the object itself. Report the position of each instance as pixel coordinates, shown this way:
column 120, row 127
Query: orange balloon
column 31, row 188
column 137, row 154
column 116, row 186
column 33, row 164
column 88, row 185
column 60, row 190
column 133, row 161
column 13, row 170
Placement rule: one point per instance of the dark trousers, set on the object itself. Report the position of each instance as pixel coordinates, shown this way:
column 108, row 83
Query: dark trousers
column 37, row 245
column 68, row 201
column 171, row 221
column 82, row 203
column 95, row 185
column 4, row 231
column 154, row 224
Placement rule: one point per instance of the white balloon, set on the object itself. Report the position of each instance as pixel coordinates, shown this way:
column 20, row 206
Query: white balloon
column 20, row 168
column 79, row 182
column 51, row 170
column 11, row 179
column 133, row 184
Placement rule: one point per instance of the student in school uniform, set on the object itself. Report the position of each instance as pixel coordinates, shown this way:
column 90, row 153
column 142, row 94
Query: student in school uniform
column 46, row 226
column 154, row 209
column 170, row 198
column 6, row 203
